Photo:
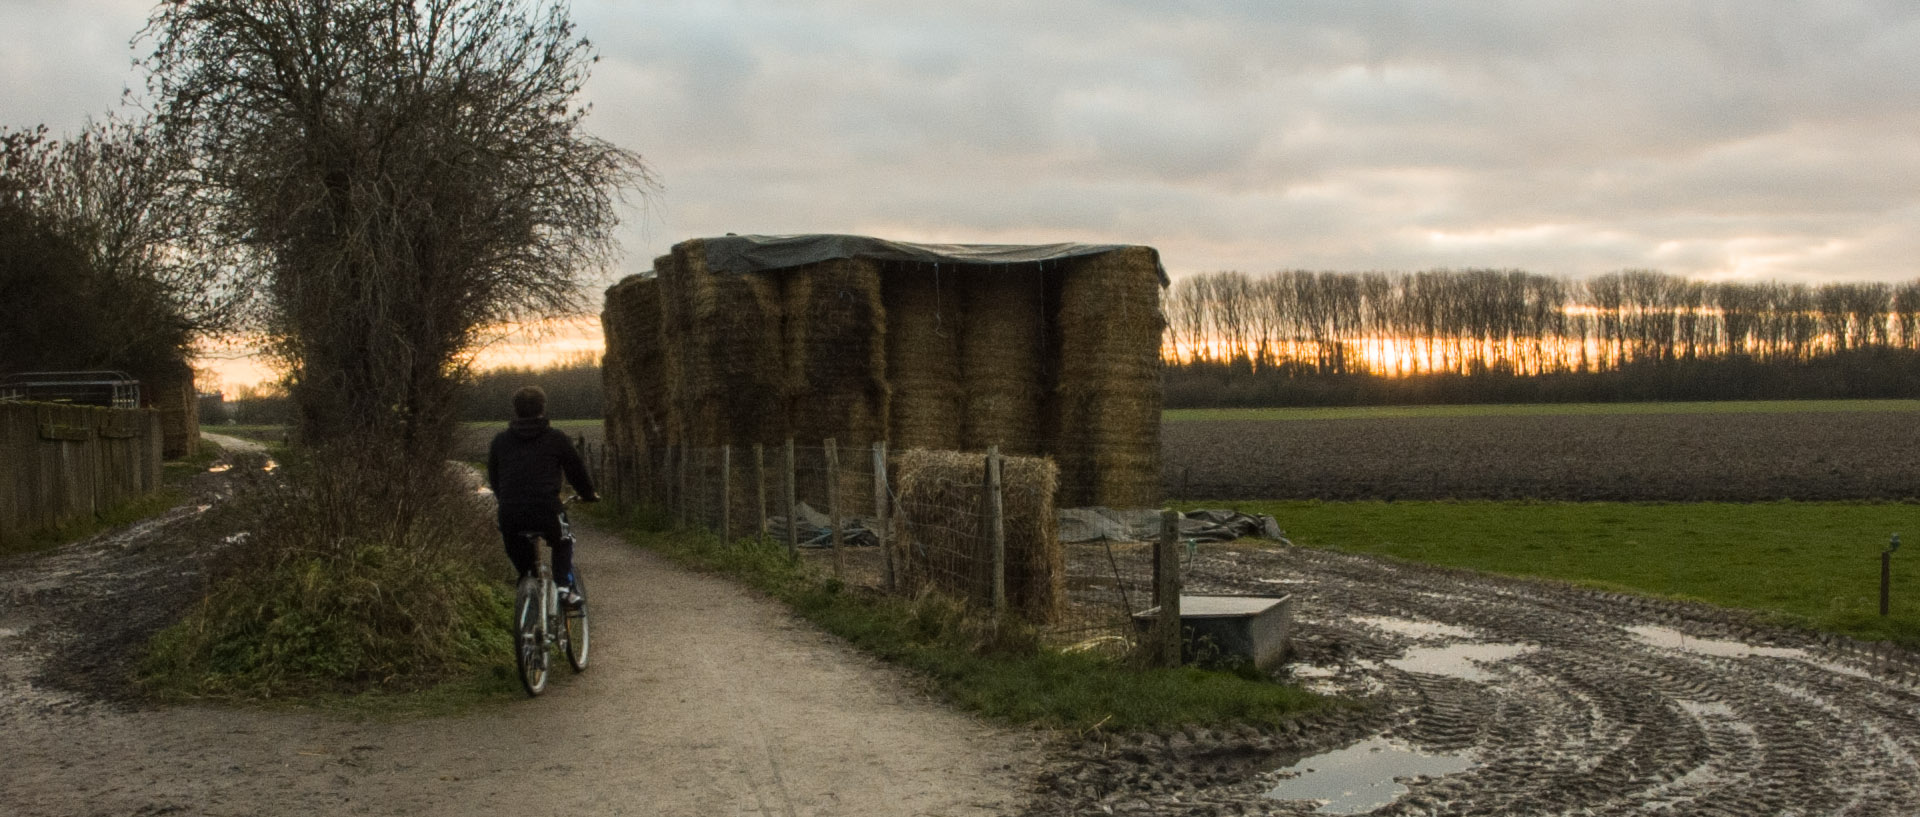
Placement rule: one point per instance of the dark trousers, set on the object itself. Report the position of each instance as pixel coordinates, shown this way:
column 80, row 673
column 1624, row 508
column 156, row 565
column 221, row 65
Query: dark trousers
column 516, row 521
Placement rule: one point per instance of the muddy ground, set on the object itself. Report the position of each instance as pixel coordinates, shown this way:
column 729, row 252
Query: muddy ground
column 1539, row 698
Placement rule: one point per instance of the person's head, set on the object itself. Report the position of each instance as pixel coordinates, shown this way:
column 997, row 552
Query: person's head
column 529, row 402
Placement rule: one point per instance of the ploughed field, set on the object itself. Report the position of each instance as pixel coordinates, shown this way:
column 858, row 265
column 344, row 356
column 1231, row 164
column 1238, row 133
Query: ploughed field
column 1628, row 456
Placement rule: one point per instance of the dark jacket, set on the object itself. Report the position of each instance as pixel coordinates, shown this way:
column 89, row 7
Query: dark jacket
column 525, row 463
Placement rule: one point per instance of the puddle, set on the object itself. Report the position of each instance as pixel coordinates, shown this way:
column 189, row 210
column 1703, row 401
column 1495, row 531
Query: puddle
column 1467, row 662
column 1675, row 640
column 270, row 465
column 220, row 468
column 1360, row 778
column 1709, row 709
column 1416, row 629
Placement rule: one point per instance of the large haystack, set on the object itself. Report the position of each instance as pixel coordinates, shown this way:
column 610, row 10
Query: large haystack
column 944, row 543
column 1003, row 358
column 1109, row 397
column 924, row 324
column 836, row 371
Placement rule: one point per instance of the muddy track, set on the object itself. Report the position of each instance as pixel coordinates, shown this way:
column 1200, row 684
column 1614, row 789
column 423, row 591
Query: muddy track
column 1556, row 700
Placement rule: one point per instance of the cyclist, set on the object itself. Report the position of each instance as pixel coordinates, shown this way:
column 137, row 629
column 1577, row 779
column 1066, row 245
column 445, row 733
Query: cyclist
column 524, row 467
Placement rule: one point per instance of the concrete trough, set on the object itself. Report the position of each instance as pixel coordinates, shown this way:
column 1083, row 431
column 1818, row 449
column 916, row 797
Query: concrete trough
column 1252, row 628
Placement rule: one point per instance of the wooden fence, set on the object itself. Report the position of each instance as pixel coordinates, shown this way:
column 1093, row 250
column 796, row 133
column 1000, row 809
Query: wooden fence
column 59, row 463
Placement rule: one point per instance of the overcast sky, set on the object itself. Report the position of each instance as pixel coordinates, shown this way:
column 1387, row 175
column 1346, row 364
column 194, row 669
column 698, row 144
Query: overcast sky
column 1776, row 140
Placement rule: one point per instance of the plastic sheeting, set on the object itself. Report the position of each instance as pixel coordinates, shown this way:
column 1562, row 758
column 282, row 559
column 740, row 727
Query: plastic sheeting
column 1143, row 525
column 758, row 253
column 1076, row 525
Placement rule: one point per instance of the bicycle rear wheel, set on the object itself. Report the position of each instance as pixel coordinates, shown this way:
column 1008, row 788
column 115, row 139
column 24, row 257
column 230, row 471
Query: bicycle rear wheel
column 530, row 637
column 576, row 624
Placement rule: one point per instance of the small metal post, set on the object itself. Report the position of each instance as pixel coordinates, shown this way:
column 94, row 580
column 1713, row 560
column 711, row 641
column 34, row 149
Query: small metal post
column 793, row 524
column 1886, row 575
column 997, row 529
column 833, row 500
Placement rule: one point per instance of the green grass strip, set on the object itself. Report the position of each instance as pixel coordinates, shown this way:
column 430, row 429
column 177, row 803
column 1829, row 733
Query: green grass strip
column 1814, row 564
column 1543, row 409
column 995, row 669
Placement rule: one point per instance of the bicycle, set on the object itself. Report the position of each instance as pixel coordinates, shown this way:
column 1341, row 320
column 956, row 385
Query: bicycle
column 541, row 622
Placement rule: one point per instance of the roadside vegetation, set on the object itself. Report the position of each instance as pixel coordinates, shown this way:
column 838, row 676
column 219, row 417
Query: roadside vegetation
column 1807, row 564
column 998, row 669
column 326, row 590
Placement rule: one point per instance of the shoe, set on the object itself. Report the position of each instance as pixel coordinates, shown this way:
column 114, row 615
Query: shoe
column 571, row 599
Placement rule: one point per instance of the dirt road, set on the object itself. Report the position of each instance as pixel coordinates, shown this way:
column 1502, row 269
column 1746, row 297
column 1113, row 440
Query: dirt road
column 702, row 700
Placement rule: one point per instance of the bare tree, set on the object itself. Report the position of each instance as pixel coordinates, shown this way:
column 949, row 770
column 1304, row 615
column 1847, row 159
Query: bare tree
column 402, row 173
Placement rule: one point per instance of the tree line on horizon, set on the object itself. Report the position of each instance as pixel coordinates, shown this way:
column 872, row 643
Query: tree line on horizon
column 1485, row 335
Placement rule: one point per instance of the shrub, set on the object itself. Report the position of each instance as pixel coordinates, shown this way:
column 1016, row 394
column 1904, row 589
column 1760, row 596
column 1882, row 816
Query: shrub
column 345, row 573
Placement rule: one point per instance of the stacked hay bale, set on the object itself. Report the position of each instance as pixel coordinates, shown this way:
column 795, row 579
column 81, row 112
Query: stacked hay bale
column 632, row 373
column 172, row 392
column 1003, row 358
column 1108, row 402
column 731, row 379
column 836, row 373
column 944, row 544
column 730, row 376
column 924, row 324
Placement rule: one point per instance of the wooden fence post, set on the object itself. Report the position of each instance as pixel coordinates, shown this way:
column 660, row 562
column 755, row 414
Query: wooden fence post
column 793, row 525
column 1167, row 633
column 881, row 507
column 833, row 500
column 760, row 484
column 684, row 485
column 726, row 493
column 997, row 529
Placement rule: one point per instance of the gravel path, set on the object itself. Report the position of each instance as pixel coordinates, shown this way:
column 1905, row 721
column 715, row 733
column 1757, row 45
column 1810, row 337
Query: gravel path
column 702, row 700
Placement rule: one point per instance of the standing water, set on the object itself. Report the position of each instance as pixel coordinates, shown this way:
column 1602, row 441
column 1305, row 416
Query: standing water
column 1361, row 778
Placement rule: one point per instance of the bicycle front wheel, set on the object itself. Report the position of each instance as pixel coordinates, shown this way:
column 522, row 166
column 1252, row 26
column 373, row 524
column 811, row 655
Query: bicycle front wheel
column 530, row 637
column 576, row 624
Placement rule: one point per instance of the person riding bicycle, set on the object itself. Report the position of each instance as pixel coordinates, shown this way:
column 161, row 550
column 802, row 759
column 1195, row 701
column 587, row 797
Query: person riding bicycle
column 524, row 467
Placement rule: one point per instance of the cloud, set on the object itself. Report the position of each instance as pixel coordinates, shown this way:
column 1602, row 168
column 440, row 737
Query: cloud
column 1707, row 138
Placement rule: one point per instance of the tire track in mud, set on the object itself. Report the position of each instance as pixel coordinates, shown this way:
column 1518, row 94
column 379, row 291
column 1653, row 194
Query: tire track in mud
column 1563, row 700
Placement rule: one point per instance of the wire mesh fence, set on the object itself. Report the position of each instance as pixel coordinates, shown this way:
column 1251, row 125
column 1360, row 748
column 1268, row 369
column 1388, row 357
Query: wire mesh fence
column 977, row 526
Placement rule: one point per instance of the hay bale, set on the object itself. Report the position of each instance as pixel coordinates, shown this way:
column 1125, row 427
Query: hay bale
column 944, row 545
column 675, row 317
column 632, row 371
column 924, row 324
column 1003, row 358
column 836, row 370
column 732, row 376
column 1109, row 397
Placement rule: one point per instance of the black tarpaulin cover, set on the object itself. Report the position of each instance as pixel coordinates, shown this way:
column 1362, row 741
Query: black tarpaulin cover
column 758, row 253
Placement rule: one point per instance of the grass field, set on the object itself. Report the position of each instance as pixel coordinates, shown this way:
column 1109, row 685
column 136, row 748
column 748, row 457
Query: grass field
column 1542, row 409
column 1813, row 563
